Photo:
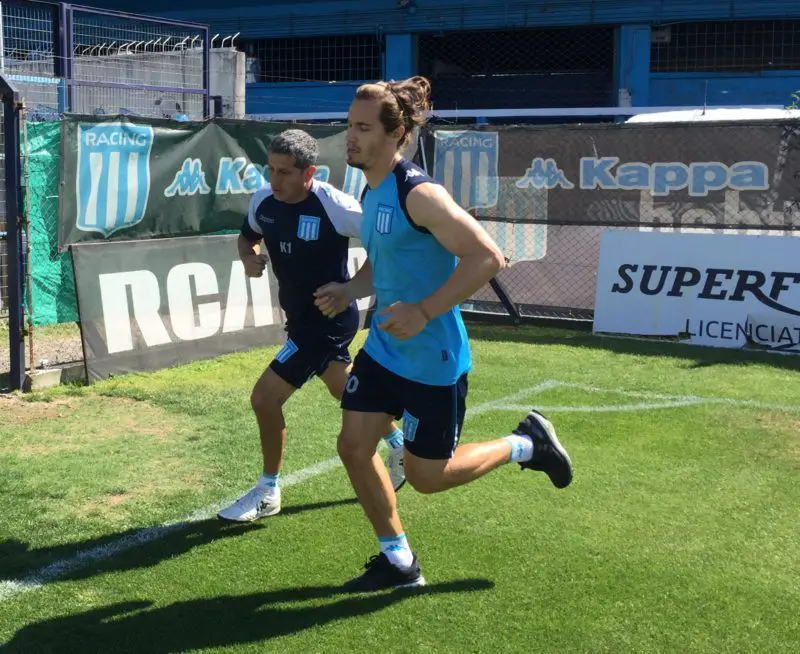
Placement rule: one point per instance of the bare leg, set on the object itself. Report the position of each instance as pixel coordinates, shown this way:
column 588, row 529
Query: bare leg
column 267, row 399
column 467, row 464
column 358, row 441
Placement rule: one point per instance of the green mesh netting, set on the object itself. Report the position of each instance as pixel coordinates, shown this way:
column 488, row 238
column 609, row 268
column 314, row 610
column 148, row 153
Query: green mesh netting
column 52, row 285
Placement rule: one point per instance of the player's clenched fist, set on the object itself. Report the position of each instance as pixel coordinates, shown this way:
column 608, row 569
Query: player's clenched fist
column 254, row 265
column 332, row 299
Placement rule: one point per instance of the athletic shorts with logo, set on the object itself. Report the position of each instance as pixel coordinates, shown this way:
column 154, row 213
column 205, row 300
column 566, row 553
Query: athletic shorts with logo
column 433, row 416
column 308, row 352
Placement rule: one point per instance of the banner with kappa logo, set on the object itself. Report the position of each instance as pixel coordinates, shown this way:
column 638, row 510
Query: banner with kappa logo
column 545, row 193
column 699, row 175
column 132, row 178
column 722, row 290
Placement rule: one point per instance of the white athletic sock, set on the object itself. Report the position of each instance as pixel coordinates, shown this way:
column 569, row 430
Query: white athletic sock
column 270, row 484
column 521, row 448
column 395, row 439
column 397, row 550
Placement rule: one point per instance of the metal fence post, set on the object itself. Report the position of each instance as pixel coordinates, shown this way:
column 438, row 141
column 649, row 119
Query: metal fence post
column 16, row 253
column 63, row 54
column 206, row 74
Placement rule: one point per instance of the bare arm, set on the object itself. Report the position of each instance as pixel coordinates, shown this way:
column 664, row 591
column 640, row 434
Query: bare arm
column 335, row 297
column 361, row 284
column 480, row 259
column 245, row 246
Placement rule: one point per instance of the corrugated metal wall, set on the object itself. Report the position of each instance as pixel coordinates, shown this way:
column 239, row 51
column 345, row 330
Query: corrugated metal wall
column 256, row 18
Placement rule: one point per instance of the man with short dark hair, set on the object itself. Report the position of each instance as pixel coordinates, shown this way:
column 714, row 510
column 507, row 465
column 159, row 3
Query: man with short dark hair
column 306, row 226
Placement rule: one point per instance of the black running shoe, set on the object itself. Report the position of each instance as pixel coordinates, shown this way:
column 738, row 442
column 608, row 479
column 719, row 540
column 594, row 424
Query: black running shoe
column 549, row 455
column 379, row 574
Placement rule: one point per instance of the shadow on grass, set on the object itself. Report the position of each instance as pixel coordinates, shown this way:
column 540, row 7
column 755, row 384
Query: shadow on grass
column 127, row 550
column 223, row 621
column 5, row 381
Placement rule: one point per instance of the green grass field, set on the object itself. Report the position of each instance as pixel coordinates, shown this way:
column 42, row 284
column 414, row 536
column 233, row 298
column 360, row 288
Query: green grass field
column 679, row 534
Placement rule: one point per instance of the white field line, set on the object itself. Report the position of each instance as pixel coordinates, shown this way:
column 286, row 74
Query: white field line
column 677, row 399
column 609, row 408
column 11, row 588
column 493, row 405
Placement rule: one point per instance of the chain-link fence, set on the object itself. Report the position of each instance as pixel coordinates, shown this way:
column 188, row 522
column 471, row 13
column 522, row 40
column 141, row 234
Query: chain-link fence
column 523, row 68
column 729, row 46
column 30, row 57
column 88, row 61
column 314, row 59
column 66, row 58
column 124, row 64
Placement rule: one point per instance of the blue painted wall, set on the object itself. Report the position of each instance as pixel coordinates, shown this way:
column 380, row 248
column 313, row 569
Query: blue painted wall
column 632, row 66
column 745, row 89
column 302, row 97
column 400, row 56
column 633, row 82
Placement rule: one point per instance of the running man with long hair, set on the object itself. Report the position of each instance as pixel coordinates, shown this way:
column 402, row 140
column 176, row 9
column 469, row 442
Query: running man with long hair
column 426, row 255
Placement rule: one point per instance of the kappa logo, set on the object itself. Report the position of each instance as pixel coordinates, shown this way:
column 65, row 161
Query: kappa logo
column 190, row 179
column 113, row 176
column 411, row 173
column 465, row 163
column 544, row 174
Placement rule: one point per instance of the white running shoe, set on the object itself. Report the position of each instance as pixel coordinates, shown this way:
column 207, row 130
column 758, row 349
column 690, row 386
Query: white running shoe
column 255, row 504
column 394, row 462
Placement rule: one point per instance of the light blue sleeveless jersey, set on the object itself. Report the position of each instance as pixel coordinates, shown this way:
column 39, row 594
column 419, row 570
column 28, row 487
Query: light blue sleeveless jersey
column 408, row 265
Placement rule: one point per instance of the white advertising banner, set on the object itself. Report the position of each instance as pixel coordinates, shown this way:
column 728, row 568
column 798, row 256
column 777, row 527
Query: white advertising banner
column 722, row 290
column 150, row 304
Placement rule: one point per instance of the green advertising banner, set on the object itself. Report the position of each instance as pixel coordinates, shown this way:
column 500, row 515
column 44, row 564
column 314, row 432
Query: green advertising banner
column 132, row 178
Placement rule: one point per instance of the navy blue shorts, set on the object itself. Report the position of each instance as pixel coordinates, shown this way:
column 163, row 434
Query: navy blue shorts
column 433, row 416
column 308, row 353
